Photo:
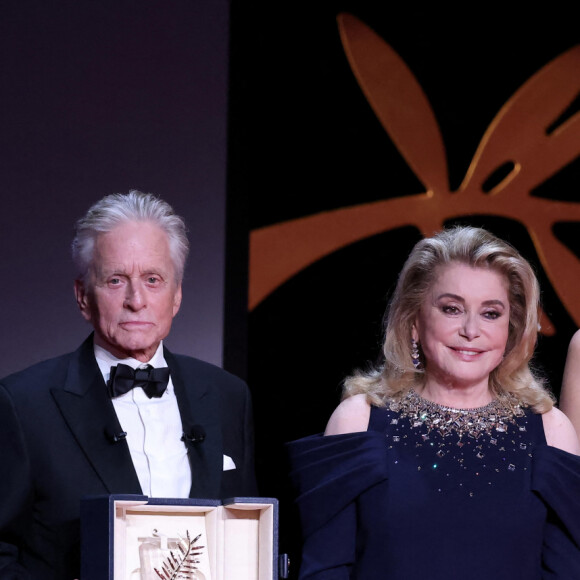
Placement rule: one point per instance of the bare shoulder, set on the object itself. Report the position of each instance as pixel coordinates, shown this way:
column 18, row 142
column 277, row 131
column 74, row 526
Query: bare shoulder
column 570, row 391
column 560, row 432
column 351, row 416
column 574, row 348
column 575, row 342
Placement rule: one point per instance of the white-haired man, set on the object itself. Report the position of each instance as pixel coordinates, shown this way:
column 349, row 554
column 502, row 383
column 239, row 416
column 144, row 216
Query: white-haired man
column 121, row 414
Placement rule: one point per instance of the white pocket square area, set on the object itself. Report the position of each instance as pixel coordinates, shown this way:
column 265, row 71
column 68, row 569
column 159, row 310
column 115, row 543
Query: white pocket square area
column 228, row 463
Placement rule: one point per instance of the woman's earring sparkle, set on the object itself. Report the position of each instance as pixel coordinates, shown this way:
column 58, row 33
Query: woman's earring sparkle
column 415, row 354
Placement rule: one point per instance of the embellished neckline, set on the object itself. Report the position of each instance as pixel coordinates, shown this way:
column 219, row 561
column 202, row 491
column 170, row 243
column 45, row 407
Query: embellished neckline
column 474, row 422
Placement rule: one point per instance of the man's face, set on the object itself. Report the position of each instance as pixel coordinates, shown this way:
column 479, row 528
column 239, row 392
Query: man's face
column 131, row 295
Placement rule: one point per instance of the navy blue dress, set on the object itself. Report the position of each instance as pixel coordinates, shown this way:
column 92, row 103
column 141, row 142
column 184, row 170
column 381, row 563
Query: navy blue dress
column 402, row 502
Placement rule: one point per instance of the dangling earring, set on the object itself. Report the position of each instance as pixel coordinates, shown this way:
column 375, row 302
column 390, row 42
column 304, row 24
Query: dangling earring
column 415, row 354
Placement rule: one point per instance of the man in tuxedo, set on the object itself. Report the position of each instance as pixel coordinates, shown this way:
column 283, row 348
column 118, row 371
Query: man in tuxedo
column 121, row 414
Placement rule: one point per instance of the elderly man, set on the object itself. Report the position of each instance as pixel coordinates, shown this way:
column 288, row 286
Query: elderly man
column 121, row 414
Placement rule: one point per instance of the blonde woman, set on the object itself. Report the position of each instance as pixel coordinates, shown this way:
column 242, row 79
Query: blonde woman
column 450, row 459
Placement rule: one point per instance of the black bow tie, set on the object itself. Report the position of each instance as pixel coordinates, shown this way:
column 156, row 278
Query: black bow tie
column 124, row 378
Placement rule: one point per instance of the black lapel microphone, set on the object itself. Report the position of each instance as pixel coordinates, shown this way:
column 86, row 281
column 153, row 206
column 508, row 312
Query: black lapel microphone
column 113, row 435
column 195, row 435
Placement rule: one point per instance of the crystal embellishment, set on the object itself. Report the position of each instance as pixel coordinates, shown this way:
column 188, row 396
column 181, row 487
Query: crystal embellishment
column 496, row 416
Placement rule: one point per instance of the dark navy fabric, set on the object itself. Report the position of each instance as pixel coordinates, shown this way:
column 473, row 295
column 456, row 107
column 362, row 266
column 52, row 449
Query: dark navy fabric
column 400, row 503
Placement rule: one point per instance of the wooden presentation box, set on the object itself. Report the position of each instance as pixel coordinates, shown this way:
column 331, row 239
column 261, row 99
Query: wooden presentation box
column 133, row 537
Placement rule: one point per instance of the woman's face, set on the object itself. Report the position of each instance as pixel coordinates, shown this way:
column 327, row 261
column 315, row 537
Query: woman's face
column 463, row 325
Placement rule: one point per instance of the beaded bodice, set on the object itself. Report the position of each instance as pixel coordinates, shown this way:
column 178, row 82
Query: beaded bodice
column 459, row 484
column 457, row 449
column 497, row 415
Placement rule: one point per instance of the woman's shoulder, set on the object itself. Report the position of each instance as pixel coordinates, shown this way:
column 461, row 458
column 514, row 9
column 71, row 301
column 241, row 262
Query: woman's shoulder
column 351, row 416
column 575, row 342
column 560, row 432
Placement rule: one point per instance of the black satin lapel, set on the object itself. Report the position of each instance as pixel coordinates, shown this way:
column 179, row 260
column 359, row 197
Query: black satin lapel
column 89, row 413
column 198, row 405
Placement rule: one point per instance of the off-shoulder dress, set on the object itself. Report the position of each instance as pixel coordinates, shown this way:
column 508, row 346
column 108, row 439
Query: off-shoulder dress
column 412, row 499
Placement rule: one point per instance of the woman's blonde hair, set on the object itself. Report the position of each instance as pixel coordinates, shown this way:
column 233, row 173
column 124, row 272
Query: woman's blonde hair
column 477, row 248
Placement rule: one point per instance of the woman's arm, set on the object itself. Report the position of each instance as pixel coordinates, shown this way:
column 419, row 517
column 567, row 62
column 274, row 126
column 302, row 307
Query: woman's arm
column 570, row 394
column 560, row 432
column 321, row 471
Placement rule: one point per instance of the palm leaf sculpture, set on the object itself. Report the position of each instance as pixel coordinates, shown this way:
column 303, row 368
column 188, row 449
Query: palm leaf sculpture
column 526, row 139
column 182, row 565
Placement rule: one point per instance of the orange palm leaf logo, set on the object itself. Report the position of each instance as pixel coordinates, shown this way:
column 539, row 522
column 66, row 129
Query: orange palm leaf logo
column 530, row 139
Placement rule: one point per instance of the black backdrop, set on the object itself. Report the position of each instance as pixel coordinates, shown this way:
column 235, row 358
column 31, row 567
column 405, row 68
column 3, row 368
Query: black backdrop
column 102, row 96
column 303, row 139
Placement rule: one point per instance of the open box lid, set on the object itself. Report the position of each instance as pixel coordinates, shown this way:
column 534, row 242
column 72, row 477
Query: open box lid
column 239, row 536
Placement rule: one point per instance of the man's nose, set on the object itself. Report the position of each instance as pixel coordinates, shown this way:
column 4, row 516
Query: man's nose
column 134, row 298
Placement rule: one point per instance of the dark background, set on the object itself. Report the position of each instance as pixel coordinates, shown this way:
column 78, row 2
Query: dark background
column 303, row 139
column 100, row 97
column 196, row 99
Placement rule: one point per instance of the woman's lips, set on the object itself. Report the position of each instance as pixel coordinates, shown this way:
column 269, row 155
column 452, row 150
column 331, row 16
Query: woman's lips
column 467, row 352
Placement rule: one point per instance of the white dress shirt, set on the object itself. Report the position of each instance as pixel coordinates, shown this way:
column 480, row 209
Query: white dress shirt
column 153, row 429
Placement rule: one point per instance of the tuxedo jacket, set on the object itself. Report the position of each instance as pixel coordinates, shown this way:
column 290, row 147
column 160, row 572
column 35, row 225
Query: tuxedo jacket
column 57, row 445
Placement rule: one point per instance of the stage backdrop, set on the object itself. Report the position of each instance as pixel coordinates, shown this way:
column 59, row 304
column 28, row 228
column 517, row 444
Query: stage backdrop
column 348, row 145
column 99, row 98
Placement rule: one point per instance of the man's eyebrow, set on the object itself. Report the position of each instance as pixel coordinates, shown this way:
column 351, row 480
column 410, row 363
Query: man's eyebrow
column 112, row 271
